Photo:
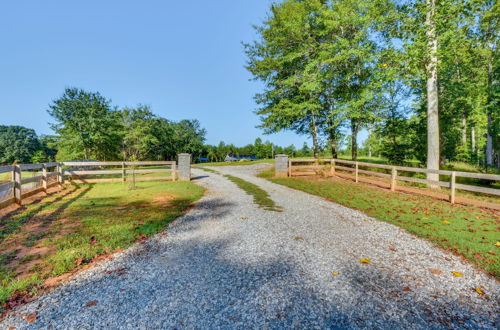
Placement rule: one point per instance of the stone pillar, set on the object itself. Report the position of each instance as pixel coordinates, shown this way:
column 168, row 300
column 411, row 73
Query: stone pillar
column 281, row 165
column 184, row 167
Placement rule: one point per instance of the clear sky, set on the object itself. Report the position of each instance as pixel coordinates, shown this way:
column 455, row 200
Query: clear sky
column 183, row 58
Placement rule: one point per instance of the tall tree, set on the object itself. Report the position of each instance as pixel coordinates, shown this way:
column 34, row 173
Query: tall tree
column 432, row 92
column 286, row 59
column 141, row 134
column 86, row 125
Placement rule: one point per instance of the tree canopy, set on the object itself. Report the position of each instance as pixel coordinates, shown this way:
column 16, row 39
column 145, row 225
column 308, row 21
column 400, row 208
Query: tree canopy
column 420, row 75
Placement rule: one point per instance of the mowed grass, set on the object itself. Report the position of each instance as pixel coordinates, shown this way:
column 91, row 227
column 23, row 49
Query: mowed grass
column 71, row 228
column 260, row 196
column 465, row 230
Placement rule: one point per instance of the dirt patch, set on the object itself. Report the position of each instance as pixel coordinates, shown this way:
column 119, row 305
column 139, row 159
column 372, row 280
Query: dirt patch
column 163, row 200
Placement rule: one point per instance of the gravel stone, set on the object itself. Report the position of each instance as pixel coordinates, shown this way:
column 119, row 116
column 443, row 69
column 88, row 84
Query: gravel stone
column 211, row 269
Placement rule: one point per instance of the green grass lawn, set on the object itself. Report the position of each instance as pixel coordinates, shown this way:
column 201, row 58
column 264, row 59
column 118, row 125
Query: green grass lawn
column 464, row 230
column 71, row 228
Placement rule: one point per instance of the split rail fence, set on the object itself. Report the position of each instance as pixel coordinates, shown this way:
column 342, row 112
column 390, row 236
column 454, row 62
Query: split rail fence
column 393, row 173
column 29, row 179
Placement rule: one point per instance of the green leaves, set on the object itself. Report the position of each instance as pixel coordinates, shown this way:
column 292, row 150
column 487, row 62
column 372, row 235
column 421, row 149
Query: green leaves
column 17, row 144
column 86, row 124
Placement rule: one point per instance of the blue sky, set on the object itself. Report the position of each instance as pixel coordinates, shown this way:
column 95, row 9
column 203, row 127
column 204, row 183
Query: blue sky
column 183, row 58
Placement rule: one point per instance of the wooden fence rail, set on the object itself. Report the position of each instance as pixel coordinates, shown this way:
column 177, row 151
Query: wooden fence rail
column 330, row 165
column 55, row 173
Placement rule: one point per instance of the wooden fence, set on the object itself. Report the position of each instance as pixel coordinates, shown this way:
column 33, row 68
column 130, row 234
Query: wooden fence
column 330, row 167
column 46, row 175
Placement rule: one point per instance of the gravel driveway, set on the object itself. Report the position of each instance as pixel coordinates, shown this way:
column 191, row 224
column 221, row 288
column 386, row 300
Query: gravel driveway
column 214, row 269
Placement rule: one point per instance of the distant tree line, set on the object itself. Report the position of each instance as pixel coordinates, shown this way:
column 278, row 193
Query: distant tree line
column 87, row 126
column 421, row 75
column 259, row 149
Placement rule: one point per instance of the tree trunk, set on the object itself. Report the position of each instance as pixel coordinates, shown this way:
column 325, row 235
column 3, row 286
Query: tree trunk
column 333, row 141
column 314, row 136
column 333, row 146
column 432, row 94
column 464, row 128
column 473, row 139
column 354, row 139
column 489, row 144
column 489, row 139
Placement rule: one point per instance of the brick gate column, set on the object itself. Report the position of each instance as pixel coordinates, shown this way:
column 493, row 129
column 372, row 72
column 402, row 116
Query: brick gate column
column 184, row 167
column 281, row 165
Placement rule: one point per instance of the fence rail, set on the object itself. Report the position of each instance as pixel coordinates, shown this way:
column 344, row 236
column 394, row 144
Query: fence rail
column 331, row 165
column 46, row 175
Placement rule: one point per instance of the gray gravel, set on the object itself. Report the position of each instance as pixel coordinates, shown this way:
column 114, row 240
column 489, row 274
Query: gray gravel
column 212, row 269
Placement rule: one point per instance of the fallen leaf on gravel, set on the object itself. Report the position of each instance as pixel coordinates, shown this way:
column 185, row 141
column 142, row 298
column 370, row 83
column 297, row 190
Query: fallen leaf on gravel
column 457, row 274
column 119, row 271
column 335, row 273
column 406, row 289
column 91, row 303
column 31, row 317
column 478, row 290
column 435, row 271
column 298, row 238
column 393, row 249
column 244, row 218
column 11, row 328
column 364, row 260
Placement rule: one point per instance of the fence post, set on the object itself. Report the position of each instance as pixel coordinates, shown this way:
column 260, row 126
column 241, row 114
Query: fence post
column 332, row 167
column 356, row 172
column 394, row 173
column 174, row 170
column 59, row 174
column 17, row 184
column 452, row 187
column 184, row 165
column 44, row 178
column 124, row 172
column 281, row 165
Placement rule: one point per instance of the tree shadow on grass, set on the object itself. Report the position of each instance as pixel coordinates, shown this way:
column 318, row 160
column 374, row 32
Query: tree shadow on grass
column 26, row 214
column 200, row 281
